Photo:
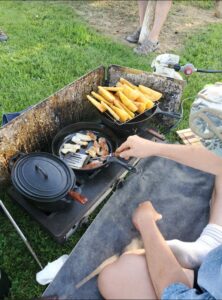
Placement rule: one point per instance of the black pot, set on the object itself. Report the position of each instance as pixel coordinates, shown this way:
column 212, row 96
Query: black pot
column 45, row 180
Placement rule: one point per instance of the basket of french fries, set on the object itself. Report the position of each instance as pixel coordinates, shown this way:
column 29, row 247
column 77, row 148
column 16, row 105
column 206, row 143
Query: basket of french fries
column 124, row 102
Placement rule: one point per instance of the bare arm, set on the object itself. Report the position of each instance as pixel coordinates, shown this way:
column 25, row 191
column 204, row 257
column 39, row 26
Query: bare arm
column 162, row 265
column 192, row 156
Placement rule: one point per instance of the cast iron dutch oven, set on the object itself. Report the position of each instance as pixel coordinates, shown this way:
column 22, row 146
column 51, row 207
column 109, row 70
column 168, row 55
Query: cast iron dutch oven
column 45, row 180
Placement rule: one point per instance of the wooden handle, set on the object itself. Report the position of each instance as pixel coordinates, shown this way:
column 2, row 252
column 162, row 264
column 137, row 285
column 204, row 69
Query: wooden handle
column 78, row 197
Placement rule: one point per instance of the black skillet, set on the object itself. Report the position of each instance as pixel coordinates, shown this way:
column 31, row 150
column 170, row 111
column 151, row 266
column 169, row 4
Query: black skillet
column 139, row 120
column 100, row 130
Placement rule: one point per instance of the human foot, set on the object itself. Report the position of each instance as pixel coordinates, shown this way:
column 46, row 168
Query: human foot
column 146, row 47
column 134, row 37
column 191, row 254
column 3, row 36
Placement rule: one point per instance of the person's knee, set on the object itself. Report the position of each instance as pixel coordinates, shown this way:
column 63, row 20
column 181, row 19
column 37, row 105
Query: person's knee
column 106, row 281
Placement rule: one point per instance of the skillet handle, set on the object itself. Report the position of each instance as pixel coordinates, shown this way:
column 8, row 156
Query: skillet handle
column 124, row 164
column 173, row 115
column 78, row 197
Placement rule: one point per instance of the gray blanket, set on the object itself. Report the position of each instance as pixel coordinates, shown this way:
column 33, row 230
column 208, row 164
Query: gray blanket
column 180, row 193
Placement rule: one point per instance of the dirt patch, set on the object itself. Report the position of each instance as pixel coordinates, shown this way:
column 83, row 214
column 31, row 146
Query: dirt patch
column 119, row 18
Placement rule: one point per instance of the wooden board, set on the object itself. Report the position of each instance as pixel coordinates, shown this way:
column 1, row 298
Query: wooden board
column 188, row 137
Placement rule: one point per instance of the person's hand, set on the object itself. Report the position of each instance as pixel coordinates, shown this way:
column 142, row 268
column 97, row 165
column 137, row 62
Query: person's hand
column 136, row 146
column 145, row 212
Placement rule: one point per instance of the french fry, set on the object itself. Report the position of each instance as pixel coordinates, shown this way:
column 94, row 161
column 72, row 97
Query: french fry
column 121, row 113
column 119, row 84
column 99, row 97
column 130, row 93
column 124, row 81
column 144, row 99
column 96, row 104
column 153, row 95
column 112, row 112
column 114, row 88
column 149, row 104
column 119, row 104
column 141, row 106
column 127, row 102
column 106, row 94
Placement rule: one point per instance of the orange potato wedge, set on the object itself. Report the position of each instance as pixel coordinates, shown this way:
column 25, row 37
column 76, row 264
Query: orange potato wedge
column 141, row 106
column 153, row 95
column 99, row 97
column 127, row 102
column 111, row 111
column 96, row 104
column 124, row 81
column 114, row 88
column 121, row 113
column 130, row 93
column 119, row 104
column 106, row 94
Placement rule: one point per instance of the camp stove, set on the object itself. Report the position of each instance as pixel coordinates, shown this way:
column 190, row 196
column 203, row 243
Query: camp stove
column 96, row 187
column 62, row 224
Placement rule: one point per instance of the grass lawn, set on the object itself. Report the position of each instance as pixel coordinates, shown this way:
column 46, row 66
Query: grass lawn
column 49, row 47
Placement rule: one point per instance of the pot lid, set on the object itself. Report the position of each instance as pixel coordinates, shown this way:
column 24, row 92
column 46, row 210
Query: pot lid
column 42, row 176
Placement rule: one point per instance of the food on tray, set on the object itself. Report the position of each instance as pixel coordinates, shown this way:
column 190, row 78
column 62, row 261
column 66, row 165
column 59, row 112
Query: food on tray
column 114, row 88
column 92, row 135
column 92, row 151
column 93, row 147
column 99, row 97
column 83, row 137
column 78, row 141
column 106, row 94
column 125, row 100
column 123, row 115
column 153, row 95
column 96, row 103
column 130, row 93
column 124, row 81
column 104, row 147
column 70, row 148
column 111, row 111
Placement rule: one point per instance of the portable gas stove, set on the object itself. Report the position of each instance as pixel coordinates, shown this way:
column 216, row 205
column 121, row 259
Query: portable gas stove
column 96, row 187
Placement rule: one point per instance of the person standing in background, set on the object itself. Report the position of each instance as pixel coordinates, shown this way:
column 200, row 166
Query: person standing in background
column 152, row 41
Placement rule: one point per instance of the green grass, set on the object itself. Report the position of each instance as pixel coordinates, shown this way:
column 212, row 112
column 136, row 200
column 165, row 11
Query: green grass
column 205, row 4
column 48, row 48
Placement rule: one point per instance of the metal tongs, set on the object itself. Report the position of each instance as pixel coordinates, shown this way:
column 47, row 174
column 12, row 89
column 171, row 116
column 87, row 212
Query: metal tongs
column 113, row 158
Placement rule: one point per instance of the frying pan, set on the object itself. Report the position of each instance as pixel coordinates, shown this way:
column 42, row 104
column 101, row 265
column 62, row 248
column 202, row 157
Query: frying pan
column 100, row 130
column 139, row 121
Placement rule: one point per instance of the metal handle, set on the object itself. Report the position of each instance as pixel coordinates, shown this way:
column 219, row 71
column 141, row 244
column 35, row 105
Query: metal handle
column 173, row 115
column 41, row 170
column 124, row 164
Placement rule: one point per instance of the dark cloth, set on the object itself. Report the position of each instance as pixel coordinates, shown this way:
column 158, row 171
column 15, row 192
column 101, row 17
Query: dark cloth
column 179, row 193
column 6, row 118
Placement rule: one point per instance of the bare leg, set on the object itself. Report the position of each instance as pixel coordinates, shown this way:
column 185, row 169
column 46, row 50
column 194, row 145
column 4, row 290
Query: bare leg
column 191, row 255
column 128, row 278
column 161, row 12
column 142, row 10
column 216, row 203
